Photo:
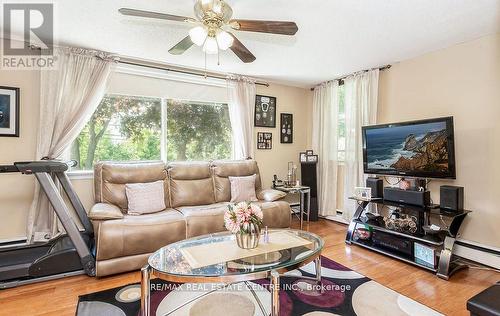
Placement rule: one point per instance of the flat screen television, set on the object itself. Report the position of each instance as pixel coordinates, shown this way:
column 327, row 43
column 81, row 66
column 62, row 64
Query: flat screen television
column 421, row 149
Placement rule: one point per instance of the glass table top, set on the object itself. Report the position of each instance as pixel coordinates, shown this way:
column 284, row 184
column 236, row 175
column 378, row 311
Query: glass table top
column 170, row 260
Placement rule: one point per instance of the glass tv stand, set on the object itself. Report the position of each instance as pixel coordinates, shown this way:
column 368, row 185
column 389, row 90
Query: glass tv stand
column 422, row 236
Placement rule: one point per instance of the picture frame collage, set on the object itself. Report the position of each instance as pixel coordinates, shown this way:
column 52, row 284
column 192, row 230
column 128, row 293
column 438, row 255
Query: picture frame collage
column 265, row 116
column 308, row 157
column 264, row 140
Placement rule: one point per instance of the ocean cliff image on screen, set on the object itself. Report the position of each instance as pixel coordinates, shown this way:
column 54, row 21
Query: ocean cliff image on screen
column 421, row 147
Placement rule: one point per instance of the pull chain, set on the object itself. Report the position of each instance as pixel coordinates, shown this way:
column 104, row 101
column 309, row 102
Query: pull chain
column 205, row 65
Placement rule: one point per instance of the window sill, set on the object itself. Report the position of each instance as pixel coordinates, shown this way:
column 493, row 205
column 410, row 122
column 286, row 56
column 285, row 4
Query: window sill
column 81, row 175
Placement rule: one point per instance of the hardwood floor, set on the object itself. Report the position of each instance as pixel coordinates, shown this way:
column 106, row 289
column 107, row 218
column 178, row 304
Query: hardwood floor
column 59, row 297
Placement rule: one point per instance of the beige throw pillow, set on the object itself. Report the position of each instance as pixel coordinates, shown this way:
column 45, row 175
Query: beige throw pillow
column 270, row 195
column 243, row 189
column 145, row 198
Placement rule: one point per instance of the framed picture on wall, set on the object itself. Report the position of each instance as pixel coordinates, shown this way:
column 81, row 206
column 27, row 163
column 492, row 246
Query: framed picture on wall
column 286, row 126
column 303, row 157
column 312, row 158
column 9, row 112
column 264, row 140
column 265, row 111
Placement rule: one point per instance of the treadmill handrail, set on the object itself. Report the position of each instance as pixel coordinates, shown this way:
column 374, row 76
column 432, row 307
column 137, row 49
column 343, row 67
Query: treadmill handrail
column 28, row 167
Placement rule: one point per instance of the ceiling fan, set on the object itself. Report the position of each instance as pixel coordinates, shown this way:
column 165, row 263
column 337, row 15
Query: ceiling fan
column 212, row 27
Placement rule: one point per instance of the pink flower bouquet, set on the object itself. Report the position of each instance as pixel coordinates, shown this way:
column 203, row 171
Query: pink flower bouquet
column 243, row 218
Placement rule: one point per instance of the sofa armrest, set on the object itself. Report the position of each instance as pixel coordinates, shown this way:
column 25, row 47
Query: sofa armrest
column 105, row 211
column 270, row 195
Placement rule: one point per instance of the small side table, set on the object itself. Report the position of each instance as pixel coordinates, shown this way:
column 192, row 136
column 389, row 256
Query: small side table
column 305, row 200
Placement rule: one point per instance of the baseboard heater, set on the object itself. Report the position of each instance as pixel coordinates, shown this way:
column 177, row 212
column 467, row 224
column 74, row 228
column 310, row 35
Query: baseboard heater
column 479, row 254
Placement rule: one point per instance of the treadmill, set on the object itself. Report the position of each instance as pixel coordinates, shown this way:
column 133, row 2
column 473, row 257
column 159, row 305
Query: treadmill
column 69, row 254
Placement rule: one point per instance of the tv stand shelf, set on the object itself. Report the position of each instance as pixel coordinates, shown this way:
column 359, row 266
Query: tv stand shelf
column 404, row 232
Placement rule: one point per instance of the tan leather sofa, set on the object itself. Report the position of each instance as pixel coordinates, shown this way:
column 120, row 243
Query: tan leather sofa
column 196, row 196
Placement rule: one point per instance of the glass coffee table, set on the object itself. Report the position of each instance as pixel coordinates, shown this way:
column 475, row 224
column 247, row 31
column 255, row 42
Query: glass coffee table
column 169, row 264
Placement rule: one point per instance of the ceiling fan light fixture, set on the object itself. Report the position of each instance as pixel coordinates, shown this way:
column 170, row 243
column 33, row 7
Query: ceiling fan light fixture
column 211, row 47
column 224, row 40
column 212, row 28
column 198, row 35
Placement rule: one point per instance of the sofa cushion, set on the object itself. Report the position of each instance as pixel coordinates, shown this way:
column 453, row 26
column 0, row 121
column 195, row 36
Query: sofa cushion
column 134, row 235
column 189, row 170
column 277, row 214
column 224, row 169
column 104, row 211
column 121, row 264
column 191, row 184
column 270, row 195
column 204, row 219
column 144, row 198
column 243, row 189
column 110, row 179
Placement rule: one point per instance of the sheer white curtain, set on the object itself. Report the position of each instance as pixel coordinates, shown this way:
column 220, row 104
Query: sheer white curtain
column 361, row 96
column 69, row 95
column 325, row 144
column 241, row 96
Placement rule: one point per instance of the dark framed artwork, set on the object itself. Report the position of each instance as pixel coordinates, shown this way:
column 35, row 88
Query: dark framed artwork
column 9, row 111
column 265, row 111
column 264, row 140
column 286, row 126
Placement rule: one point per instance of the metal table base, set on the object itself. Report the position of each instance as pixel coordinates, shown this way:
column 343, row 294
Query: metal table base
column 274, row 277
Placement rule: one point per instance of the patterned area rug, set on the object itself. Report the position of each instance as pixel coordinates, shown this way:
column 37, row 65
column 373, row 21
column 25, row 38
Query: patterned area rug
column 342, row 292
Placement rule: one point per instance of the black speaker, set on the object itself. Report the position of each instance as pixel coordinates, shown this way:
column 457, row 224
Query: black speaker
column 420, row 198
column 309, row 178
column 377, row 186
column 451, row 198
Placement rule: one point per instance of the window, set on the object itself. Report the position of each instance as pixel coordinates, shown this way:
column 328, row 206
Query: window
column 198, row 131
column 136, row 128
column 341, row 124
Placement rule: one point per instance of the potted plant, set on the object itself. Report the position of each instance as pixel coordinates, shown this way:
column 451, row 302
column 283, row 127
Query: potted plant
column 244, row 219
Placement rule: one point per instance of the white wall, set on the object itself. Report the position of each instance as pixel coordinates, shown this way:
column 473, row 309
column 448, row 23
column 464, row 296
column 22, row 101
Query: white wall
column 16, row 190
column 298, row 102
column 462, row 81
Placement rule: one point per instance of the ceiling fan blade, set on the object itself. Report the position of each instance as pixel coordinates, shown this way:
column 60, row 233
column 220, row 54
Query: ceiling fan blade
column 274, row 27
column 153, row 15
column 241, row 51
column 182, row 46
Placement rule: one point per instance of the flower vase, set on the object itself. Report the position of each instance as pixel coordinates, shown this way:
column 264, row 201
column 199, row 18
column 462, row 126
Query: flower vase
column 248, row 239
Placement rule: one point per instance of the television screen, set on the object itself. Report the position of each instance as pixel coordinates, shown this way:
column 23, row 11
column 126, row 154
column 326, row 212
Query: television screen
column 422, row 149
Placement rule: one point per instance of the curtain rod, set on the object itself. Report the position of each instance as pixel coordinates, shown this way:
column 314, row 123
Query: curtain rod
column 134, row 62
column 341, row 79
column 160, row 66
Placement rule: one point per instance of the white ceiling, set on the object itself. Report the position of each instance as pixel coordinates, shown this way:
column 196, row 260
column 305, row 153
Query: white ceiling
column 335, row 37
